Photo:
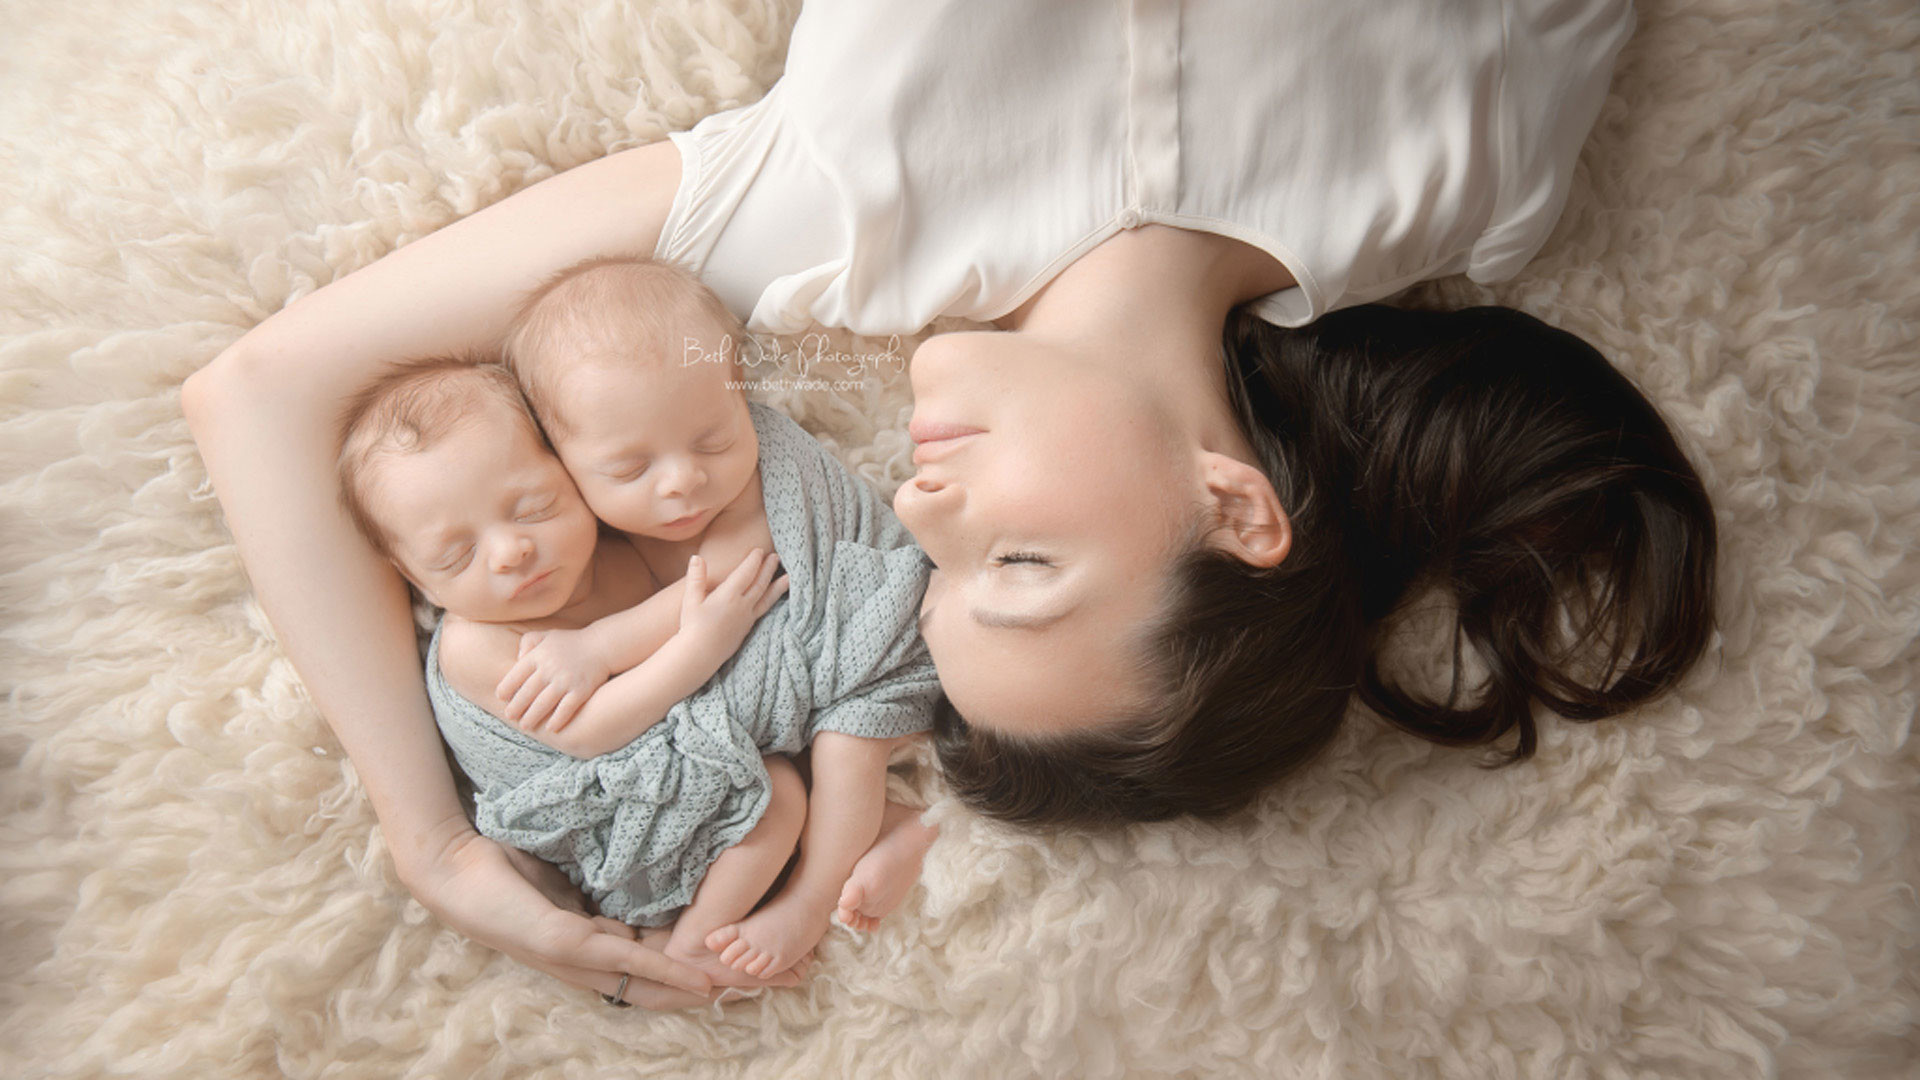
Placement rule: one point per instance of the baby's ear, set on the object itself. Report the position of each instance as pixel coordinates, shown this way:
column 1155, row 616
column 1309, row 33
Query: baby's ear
column 1251, row 526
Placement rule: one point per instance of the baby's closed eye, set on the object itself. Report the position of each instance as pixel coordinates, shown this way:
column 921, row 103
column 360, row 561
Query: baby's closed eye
column 538, row 511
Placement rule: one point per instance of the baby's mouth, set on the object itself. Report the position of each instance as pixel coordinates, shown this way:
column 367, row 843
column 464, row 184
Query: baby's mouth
column 531, row 582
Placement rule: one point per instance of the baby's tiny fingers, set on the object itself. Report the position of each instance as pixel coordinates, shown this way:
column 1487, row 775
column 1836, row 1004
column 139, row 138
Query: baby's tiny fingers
column 563, row 713
column 778, row 590
column 524, row 698
column 767, row 570
column 542, row 707
column 515, row 678
column 743, row 573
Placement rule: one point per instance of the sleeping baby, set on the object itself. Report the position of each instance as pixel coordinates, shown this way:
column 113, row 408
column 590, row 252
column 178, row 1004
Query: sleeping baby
column 575, row 680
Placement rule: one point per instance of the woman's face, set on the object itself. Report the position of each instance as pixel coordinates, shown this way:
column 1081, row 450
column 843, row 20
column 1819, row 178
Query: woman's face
column 1052, row 499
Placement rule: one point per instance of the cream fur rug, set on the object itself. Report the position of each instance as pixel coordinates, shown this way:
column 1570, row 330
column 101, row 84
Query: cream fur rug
column 193, row 885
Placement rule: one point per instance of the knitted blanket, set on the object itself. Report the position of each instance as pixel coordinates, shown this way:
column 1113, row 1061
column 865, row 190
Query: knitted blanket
column 636, row 828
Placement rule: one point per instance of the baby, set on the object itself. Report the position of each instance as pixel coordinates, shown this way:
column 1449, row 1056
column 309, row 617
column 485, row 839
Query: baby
column 670, row 452
column 632, row 368
column 445, row 472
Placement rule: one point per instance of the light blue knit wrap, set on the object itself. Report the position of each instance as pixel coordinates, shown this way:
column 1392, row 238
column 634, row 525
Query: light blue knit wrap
column 637, row 828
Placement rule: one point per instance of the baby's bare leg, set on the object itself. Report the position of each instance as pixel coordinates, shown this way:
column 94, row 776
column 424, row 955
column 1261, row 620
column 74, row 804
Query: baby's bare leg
column 886, row 873
column 742, row 875
column 843, row 818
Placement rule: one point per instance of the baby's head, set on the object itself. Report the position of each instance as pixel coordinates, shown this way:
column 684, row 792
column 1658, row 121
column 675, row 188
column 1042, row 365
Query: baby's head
column 443, row 470
column 632, row 367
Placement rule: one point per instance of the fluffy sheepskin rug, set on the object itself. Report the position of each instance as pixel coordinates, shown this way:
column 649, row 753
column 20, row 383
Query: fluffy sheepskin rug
column 192, row 883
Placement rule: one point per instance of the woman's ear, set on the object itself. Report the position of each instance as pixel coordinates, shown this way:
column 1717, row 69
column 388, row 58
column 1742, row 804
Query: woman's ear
column 1253, row 527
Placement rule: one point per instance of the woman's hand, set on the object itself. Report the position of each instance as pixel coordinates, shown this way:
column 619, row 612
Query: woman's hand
column 513, row 902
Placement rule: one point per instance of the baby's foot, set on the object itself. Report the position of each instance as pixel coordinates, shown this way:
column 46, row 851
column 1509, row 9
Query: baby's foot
column 886, row 873
column 724, row 974
column 772, row 939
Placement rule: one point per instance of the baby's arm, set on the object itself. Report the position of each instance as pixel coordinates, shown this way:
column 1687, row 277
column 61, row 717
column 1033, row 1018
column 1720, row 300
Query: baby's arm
column 558, row 671
column 712, row 625
column 264, row 415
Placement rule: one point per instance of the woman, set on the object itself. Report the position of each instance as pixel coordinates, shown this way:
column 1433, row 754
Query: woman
column 1132, row 540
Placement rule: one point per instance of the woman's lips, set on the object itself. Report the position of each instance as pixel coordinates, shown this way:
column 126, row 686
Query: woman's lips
column 929, row 452
column 934, row 440
column 933, row 431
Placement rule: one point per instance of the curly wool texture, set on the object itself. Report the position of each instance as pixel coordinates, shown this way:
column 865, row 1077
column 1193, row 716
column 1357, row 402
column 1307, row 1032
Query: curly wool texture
column 192, row 883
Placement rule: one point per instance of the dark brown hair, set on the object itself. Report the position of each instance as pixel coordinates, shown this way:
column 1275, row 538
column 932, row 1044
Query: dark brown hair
column 1480, row 451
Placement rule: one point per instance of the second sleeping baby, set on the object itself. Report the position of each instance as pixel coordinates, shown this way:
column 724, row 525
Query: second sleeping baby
column 634, row 796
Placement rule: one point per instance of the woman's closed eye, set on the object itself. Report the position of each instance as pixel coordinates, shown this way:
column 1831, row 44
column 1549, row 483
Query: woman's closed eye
column 1021, row 557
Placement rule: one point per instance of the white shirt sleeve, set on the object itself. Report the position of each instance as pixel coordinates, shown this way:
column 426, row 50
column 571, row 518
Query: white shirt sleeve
column 1559, row 62
column 949, row 157
column 740, row 245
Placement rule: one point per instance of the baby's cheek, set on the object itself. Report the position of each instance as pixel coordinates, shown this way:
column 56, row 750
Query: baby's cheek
column 624, row 509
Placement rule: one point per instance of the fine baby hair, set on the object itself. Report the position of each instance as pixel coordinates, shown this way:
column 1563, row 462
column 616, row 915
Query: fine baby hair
column 1480, row 451
column 619, row 311
column 408, row 409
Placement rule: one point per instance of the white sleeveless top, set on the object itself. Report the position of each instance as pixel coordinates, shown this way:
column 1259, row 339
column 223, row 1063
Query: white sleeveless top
column 922, row 158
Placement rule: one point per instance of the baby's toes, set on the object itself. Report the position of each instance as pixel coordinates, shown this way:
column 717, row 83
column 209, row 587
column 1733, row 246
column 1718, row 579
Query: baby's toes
column 719, row 940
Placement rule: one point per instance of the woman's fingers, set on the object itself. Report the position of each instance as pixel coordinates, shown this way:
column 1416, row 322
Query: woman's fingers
column 648, row 995
column 564, row 939
column 603, row 951
column 507, row 899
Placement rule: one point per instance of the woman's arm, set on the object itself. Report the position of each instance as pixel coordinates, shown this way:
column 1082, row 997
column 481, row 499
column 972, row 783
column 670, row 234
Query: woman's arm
column 263, row 414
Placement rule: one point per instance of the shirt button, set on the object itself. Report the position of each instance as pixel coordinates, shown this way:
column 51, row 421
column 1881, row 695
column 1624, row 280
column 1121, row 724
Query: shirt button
column 1129, row 219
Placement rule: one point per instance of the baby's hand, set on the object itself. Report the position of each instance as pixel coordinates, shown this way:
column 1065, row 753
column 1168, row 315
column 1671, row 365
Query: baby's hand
column 717, row 622
column 557, row 672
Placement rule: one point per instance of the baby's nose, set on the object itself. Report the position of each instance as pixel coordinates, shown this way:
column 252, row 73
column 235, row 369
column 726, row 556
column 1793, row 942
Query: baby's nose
column 511, row 552
column 684, row 480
